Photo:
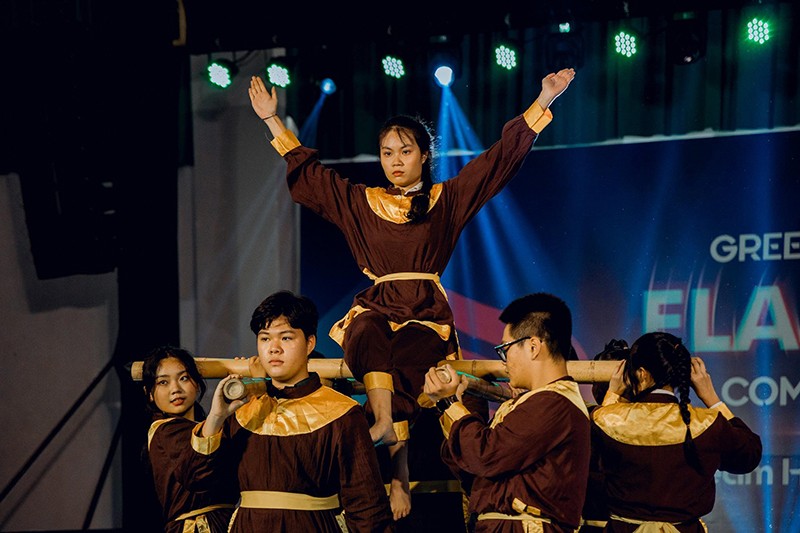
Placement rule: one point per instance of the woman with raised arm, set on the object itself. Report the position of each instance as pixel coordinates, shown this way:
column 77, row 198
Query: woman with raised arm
column 402, row 237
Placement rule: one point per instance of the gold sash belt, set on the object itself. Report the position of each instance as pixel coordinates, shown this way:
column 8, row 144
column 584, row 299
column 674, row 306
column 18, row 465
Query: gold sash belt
column 407, row 275
column 410, row 275
column 652, row 526
column 196, row 520
column 268, row 499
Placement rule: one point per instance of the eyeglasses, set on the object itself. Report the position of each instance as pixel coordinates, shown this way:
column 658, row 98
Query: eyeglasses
column 501, row 349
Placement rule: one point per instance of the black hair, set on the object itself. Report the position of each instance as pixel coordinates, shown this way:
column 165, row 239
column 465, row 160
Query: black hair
column 614, row 350
column 150, row 371
column 541, row 315
column 423, row 135
column 299, row 311
column 665, row 357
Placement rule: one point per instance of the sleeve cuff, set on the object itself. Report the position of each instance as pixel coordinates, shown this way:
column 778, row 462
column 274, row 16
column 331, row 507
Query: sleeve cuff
column 722, row 408
column 537, row 118
column 612, row 397
column 285, row 142
column 205, row 445
column 457, row 411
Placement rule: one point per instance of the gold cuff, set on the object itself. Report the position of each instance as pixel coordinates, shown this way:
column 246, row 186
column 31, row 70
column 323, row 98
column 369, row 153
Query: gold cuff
column 285, row 142
column 401, row 430
column 611, row 398
column 378, row 380
column 537, row 118
column 205, row 445
column 726, row 412
column 455, row 412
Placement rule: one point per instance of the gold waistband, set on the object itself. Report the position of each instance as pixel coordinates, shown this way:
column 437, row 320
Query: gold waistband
column 268, row 499
column 523, row 517
column 406, row 275
column 204, row 510
column 648, row 526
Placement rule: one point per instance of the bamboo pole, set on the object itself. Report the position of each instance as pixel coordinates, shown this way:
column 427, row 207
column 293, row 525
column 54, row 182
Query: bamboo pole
column 488, row 369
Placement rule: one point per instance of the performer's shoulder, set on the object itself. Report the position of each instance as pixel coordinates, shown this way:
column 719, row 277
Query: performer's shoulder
column 331, row 395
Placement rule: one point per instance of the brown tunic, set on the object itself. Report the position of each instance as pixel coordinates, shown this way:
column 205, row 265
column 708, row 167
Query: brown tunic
column 537, row 453
column 383, row 242
column 187, row 482
column 647, row 477
column 311, row 440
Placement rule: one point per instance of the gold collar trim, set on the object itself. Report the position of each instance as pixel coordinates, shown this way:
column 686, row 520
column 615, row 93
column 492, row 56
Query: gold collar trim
column 567, row 389
column 651, row 424
column 393, row 208
column 283, row 417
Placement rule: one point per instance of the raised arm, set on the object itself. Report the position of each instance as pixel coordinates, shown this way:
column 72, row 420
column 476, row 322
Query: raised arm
column 265, row 104
column 553, row 85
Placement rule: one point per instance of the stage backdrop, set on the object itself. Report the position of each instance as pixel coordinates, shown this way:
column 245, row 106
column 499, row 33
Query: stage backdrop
column 697, row 236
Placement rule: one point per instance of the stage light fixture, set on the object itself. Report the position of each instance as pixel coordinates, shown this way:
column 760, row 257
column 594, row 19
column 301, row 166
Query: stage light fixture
column 278, row 74
column 328, row 86
column 758, row 30
column 563, row 50
column 625, row 44
column 444, row 75
column 221, row 72
column 686, row 40
column 506, row 57
column 393, row 67
column 444, row 60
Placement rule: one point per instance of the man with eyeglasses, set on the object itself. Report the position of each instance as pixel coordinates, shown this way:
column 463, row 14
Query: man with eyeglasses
column 528, row 468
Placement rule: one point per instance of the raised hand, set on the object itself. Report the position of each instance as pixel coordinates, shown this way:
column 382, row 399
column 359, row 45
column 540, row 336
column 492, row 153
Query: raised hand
column 264, row 102
column 701, row 383
column 553, row 85
column 220, row 408
column 617, row 382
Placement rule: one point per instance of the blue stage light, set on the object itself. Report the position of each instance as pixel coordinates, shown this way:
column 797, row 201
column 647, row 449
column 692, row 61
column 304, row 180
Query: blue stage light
column 443, row 75
column 328, row 86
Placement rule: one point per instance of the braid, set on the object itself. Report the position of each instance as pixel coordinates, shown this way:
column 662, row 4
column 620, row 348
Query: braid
column 681, row 371
column 669, row 363
column 420, row 202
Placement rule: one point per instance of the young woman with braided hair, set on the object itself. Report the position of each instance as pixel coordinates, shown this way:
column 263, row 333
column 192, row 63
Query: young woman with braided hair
column 658, row 453
column 402, row 237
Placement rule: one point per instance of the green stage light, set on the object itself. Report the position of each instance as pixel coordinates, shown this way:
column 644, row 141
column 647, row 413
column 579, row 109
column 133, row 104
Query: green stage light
column 506, row 57
column 758, row 31
column 278, row 74
column 625, row 44
column 393, row 67
column 221, row 72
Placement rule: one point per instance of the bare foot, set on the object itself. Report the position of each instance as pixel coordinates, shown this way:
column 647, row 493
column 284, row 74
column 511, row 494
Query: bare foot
column 383, row 433
column 400, row 498
column 399, row 489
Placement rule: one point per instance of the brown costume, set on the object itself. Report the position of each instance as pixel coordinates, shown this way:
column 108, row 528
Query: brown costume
column 304, row 453
column 403, row 325
column 530, row 463
column 647, row 477
column 193, row 492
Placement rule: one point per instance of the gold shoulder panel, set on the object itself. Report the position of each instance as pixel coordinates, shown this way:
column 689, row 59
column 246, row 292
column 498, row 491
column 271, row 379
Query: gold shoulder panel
column 568, row 389
column 154, row 426
column 651, row 424
column 393, row 208
column 266, row 415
